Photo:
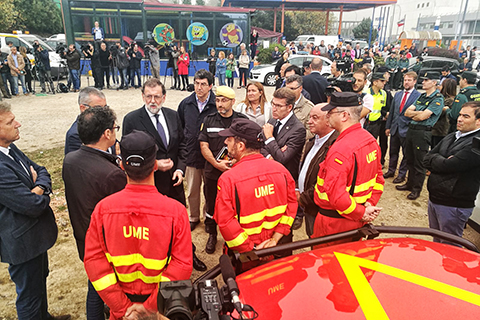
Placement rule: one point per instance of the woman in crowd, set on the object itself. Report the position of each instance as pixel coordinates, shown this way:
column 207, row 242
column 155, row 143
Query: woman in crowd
column 221, row 68
column 255, row 106
column 316, row 51
column 28, row 69
column 183, row 64
column 243, row 67
column 212, row 64
column 231, row 63
column 440, row 129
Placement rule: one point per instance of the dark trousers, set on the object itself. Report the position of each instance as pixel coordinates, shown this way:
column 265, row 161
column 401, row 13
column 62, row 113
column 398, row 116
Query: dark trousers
column 230, row 82
column 184, row 81
column 383, row 140
column 395, row 143
column 242, row 80
column 210, row 191
column 7, row 77
column 106, row 74
column 417, row 144
column 30, row 280
column 4, row 88
column 95, row 305
column 374, row 128
column 134, row 72
column 176, row 78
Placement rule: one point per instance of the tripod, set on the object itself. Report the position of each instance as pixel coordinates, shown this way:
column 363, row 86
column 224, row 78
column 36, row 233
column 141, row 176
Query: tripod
column 146, row 68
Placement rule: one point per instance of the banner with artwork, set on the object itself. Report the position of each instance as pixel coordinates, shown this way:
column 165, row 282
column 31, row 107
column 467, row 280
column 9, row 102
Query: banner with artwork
column 197, row 33
column 231, row 35
column 163, row 33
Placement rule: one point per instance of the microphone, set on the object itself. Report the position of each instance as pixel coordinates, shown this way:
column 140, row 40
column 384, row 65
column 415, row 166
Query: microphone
column 228, row 275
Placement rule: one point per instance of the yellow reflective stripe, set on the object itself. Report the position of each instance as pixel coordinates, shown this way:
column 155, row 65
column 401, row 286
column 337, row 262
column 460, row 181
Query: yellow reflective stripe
column 363, row 199
column 259, row 216
column 364, row 186
column 131, row 259
column 350, row 209
column 286, row 220
column 105, row 282
column 266, row 225
column 320, row 181
column 240, row 239
column 378, row 186
column 138, row 275
column 321, row 195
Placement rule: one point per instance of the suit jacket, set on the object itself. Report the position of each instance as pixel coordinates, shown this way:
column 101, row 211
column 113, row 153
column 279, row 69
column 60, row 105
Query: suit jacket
column 28, row 226
column 306, row 198
column 73, row 142
column 397, row 122
column 291, row 135
column 316, row 84
column 140, row 120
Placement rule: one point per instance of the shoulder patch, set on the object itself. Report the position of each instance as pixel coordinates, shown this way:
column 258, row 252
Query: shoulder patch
column 437, row 103
column 338, row 161
column 457, row 100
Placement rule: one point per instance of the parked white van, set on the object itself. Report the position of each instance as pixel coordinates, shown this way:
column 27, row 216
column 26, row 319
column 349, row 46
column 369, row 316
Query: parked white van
column 307, row 38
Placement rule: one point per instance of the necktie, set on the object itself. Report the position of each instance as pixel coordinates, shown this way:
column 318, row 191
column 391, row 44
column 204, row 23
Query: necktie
column 276, row 127
column 161, row 132
column 403, row 101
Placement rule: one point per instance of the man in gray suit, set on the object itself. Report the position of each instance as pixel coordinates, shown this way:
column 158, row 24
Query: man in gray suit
column 28, row 227
column 397, row 126
column 284, row 133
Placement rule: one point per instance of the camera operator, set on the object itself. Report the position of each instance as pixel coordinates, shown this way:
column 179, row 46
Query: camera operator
column 154, row 57
column 114, row 63
column 73, row 63
column 121, row 61
column 105, row 63
column 42, row 63
column 172, row 63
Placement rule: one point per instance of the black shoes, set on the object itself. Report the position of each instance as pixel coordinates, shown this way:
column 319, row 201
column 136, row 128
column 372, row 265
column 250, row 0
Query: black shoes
column 297, row 223
column 398, row 180
column 198, row 264
column 211, row 243
column 389, row 175
column 403, row 187
column 413, row 195
column 193, row 225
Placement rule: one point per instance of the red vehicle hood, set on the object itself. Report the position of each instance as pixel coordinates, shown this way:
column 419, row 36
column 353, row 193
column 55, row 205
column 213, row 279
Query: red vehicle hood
column 399, row 278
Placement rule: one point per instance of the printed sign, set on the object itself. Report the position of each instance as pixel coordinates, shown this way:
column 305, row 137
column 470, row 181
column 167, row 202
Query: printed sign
column 197, row 33
column 231, row 35
column 163, row 33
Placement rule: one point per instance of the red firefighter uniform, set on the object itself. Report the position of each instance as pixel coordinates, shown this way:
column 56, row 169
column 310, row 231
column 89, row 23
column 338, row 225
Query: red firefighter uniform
column 339, row 208
column 136, row 239
column 255, row 199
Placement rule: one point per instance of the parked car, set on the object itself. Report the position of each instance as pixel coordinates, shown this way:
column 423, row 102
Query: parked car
column 432, row 63
column 59, row 66
column 316, row 40
column 266, row 73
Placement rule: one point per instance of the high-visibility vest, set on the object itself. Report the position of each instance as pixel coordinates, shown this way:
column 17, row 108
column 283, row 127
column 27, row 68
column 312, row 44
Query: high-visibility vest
column 379, row 101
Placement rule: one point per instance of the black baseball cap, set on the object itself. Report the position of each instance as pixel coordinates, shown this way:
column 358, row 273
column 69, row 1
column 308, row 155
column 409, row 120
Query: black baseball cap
column 430, row 75
column 469, row 75
column 138, row 149
column 343, row 99
column 378, row 76
column 243, row 128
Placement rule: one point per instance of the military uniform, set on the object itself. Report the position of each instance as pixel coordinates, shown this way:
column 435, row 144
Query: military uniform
column 470, row 93
column 419, row 137
column 402, row 64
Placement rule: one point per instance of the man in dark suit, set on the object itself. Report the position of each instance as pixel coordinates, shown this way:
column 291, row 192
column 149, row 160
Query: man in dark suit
column 315, row 152
column 28, row 227
column 165, row 126
column 397, row 126
column 315, row 83
column 284, row 133
column 87, row 98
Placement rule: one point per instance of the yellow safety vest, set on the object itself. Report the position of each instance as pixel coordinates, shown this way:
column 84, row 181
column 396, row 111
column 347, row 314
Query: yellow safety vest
column 379, row 101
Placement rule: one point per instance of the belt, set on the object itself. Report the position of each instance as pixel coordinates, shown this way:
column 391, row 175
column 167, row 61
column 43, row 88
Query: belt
column 141, row 298
column 420, row 127
column 330, row 213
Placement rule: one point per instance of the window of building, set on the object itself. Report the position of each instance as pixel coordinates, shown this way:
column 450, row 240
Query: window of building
column 423, row 5
column 428, row 3
column 418, row 5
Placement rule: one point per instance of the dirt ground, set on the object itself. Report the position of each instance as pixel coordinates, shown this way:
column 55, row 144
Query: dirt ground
column 45, row 120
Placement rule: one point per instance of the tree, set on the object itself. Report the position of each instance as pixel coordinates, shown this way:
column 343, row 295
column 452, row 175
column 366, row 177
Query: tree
column 187, row 1
column 362, row 30
column 264, row 20
column 38, row 16
column 311, row 22
column 200, row 2
column 8, row 14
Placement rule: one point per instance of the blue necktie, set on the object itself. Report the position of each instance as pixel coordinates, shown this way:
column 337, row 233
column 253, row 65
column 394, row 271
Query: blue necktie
column 161, row 131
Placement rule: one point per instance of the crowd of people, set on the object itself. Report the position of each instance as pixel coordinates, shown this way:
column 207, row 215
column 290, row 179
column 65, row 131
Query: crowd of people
column 309, row 152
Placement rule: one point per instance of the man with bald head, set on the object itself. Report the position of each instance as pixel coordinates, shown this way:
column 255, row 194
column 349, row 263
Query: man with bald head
column 315, row 152
column 315, row 83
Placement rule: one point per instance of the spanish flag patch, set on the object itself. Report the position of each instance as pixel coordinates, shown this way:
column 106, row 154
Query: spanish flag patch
column 438, row 103
column 338, row 161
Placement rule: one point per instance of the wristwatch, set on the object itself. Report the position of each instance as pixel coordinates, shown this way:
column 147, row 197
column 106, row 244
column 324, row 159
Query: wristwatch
column 45, row 189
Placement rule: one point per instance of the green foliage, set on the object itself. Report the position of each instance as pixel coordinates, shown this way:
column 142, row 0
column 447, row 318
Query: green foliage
column 264, row 20
column 7, row 15
column 443, row 52
column 311, row 22
column 265, row 55
column 200, row 2
column 362, row 30
column 37, row 16
column 187, row 1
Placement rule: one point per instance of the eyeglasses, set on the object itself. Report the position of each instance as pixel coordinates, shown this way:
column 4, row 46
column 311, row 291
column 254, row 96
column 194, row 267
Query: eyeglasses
column 117, row 127
column 150, row 97
column 201, row 84
column 278, row 106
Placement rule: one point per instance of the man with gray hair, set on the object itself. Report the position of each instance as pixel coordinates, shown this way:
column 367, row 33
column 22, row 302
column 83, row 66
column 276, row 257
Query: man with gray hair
column 315, row 83
column 350, row 180
column 87, row 98
column 302, row 105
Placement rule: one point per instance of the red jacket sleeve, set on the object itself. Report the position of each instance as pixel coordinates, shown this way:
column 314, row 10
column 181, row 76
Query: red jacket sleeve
column 292, row 205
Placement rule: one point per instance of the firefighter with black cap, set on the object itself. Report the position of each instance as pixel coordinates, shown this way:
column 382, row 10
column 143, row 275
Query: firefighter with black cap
column 256, row 201
column 350, row 180
column 424, row 113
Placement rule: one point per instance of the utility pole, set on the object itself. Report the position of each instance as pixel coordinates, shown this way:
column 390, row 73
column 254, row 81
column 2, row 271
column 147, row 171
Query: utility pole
column 461, row 25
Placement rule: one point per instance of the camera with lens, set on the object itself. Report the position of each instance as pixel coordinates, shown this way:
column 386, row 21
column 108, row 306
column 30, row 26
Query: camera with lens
column 35, row 45
column 114, row 50
column 344, row 83
column 61, row 49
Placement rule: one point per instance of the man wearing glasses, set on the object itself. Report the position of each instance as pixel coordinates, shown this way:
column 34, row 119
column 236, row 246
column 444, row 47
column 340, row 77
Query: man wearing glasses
column 165, row 126
column 88, row 97
column 90, row 174
column 214, row 151
column 350, row 180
